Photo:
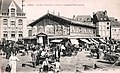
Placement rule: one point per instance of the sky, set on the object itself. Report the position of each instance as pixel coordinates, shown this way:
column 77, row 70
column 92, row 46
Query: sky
column 34, row 9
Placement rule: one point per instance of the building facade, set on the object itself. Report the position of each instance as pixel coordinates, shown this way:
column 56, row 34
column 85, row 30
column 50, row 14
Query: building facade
column 85, row 19
column 115, row 28
column 12, row 21
column 102, row 23
column 62, row 27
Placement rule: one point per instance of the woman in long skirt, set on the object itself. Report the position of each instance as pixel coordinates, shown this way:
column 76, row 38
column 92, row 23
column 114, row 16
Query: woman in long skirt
column 12, row 61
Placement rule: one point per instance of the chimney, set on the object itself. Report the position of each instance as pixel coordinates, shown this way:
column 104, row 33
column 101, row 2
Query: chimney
column 47, row 11
column 53, row 12
column 93, row 13
column 116, row 19
column 58, row 13
column 73, row 16
column 105, row 12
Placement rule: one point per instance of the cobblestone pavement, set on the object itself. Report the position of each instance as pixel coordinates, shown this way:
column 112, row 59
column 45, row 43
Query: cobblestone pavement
column 71, row 64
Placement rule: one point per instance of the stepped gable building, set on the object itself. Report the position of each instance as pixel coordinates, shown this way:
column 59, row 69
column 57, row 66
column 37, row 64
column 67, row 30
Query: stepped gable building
column 61, row 27
column 102, row 23
column 12, row 21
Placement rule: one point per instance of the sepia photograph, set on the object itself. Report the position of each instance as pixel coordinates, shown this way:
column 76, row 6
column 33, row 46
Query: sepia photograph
column 59, row 36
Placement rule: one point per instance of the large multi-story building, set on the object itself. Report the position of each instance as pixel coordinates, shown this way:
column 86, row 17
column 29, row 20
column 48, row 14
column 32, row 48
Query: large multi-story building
column 85, row 19
column 102, row 22
column 12, row 21
column 115, row 28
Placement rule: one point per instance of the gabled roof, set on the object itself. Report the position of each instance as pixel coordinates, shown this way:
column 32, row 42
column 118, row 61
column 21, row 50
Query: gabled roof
column 61, row 20
column 101, row 16
column 41, row 34
column 84, row 18
column 114, row 24
column 4, row 6
column 111, row 18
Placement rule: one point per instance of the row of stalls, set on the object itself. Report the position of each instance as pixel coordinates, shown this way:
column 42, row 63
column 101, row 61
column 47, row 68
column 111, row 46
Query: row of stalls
column 80, row 41
column 43, row 39
column 73, row 45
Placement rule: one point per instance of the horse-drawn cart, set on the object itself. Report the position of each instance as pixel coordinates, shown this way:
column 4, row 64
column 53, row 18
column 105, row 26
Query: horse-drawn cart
column 112, row 58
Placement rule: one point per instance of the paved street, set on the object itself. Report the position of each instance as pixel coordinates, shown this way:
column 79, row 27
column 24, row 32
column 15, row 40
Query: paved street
column 68, row 64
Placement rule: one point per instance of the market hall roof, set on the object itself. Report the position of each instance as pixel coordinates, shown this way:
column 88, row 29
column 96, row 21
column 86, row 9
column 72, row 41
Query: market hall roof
column 4, row 6
column 61, row 20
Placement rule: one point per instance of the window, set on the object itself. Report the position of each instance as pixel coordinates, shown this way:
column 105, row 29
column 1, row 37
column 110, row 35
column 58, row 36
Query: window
column 80, row 19
column 30, row 33
column 5, row 21
column 12, row 22
column 5, row 35
column 20, row 32
column 4, row 31
column 59, row 28
column 87, row 18
column 107, row 27
column 101, row 18
column 12, row 31
column 80, row 30
column 20, row 22
column 105, row 19
column 13, row 35
column 12, row 12
column 77, row 19
column 20, row 35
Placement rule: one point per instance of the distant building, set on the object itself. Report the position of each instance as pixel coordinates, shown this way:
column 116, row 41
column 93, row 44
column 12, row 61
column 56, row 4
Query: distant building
column 102, row 22
column 61, row 27
column 84, row 18
column 115, row 28
column 12, row 21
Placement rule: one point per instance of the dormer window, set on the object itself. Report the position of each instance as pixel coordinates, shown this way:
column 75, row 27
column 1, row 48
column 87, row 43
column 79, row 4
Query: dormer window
column 87, row 19
column 105, row 19
column 101, row 18
column 12, row 12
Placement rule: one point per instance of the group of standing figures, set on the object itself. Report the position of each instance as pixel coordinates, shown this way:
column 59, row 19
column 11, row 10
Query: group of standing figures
column 49, row 59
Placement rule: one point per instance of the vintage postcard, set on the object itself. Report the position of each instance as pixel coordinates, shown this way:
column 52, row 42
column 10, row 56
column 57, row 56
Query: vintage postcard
column 59, row 36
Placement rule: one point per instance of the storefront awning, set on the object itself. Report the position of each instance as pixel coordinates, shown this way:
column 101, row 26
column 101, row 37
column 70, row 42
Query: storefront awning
column 102, row 40
column 56, row 41
column 86, row 41
column 30, row 37
column 91, row 41
column 74, row 41
column 95, row 41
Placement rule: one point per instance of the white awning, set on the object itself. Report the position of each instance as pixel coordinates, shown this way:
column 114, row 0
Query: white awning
column 30, row 37
column 74, row 41
column 56, row 41
column 102, row 40
column 86, row 41
column 95, row 41
column 90, row 40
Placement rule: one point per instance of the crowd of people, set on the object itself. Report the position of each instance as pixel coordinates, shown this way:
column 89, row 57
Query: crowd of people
column 48, row 56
